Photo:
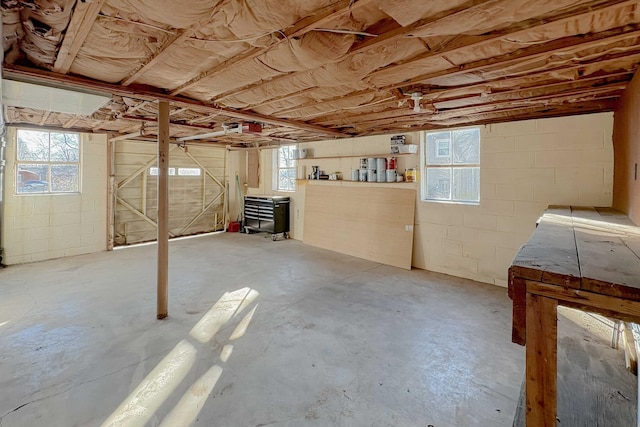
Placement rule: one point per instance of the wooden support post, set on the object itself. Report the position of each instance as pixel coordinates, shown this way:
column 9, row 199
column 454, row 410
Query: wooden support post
column 163, row 209
column 111, row 194
column 542, row 360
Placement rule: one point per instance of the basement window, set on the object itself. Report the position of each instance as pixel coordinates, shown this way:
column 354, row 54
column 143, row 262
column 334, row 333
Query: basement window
column 452, row 166
column 284, row 168
column 47, row 162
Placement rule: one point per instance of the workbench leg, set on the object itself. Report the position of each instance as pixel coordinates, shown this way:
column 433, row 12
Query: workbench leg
column 542, row 361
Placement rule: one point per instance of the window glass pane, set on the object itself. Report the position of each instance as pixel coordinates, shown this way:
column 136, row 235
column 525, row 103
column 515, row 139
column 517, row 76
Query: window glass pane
column 189, row 171
column 33, row 145
column 32, row 179
column 153, row 171
column 439, row 183
column 285, row 157
column 287, row 179
column 466, row 146
column 64, row 178
column 438, row 148
column 65, row 147
column 466, row 184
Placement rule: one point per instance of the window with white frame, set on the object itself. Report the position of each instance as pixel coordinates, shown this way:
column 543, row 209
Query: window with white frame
column 284, row 168
column 47, row 162
column 452, row 166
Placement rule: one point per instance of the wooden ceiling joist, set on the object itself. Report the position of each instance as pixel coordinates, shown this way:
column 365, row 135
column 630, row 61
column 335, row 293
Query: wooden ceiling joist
column 555, row 100
column 528, row 54
column 620, row 79
column 300, row 28
column 589, row 12
column 84, row 15
column 165, row 52
column 14, row 72
column 586, row 11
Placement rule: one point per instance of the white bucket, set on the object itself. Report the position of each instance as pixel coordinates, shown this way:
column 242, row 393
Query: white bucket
column 372, row 163
column 371, row 175
column 381, row 164
column 391, row 175
column 362, row 175
column 355, row 175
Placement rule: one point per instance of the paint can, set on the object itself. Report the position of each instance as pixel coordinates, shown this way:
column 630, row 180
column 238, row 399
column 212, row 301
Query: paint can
column 372, row 163
column 392, row 163
column 355, row 175
column 363, row 163
column 382, row 177
column 411, row 175
column 391, row 175
column 381, row 164
column 399, row 177
column 362, row 175
column 371, row 175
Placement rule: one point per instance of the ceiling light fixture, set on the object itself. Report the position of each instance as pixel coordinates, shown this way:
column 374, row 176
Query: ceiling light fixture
column 416, row 97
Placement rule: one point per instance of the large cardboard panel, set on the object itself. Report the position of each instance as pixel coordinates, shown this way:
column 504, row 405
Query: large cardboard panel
column 366, row 222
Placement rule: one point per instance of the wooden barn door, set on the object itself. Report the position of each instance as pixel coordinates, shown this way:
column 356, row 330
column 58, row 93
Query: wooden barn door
column 196, row 191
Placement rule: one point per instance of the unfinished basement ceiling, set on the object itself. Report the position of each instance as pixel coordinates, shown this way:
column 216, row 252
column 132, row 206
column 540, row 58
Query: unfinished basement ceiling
column 320, row 69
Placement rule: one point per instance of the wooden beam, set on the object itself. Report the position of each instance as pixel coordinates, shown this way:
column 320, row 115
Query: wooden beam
column 71, row 122
column 163, row 53
column 44, row 118
column 534, row 52
column 587, row 11
column 512, row 115
column 84, row 15
column 300, row 28
column 126, row 136
column 447, row 94
column 532, row 94
column 111, row 193
column 19, row 73
column 401, row 31
column 542, row 361
column 163, row 210
column 445, row 118
column 173, row 124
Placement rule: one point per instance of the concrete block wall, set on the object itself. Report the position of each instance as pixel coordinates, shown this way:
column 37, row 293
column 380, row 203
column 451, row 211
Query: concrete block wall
column 39, row 227
column 525, row 166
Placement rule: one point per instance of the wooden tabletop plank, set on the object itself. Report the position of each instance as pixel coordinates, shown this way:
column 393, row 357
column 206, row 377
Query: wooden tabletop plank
column 628, row 232
column 550, row 255
column 607, row 263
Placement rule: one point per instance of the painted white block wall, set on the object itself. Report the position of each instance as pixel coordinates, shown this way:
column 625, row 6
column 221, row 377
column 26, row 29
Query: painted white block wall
column 525, row 166
column 39, row 227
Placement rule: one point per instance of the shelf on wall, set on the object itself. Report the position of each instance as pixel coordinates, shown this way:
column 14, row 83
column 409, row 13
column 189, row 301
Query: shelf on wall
column 359, row 155
column 357, row 182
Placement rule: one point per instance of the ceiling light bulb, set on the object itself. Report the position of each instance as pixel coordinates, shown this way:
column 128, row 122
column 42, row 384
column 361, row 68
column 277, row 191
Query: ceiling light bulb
column 416, row 108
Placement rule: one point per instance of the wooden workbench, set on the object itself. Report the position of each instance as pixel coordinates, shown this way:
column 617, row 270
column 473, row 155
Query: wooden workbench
column 585, row 258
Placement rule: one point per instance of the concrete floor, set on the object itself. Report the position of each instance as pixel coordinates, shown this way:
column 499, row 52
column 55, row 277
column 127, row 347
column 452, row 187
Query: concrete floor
column 260, row 333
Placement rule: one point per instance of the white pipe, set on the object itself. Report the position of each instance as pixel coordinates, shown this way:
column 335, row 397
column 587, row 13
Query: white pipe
column 211, row 134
